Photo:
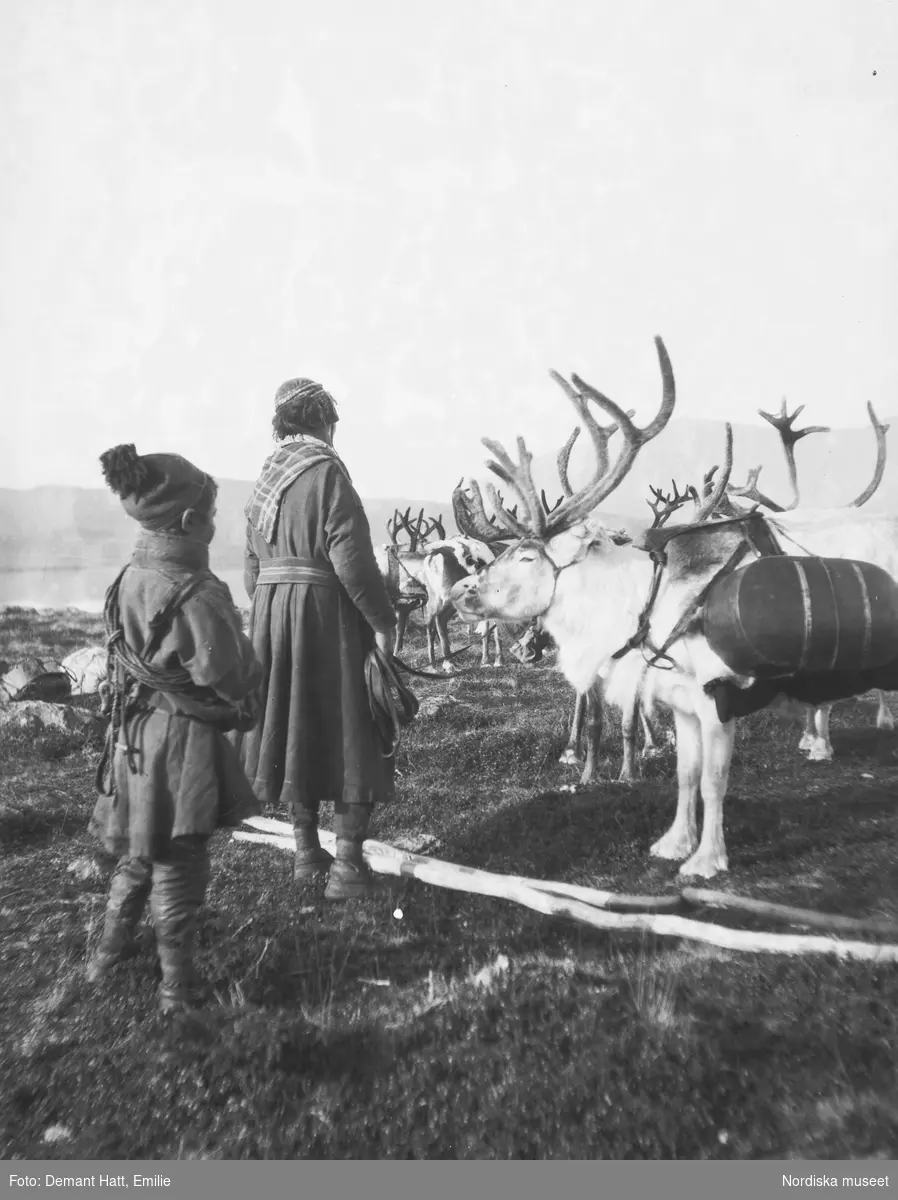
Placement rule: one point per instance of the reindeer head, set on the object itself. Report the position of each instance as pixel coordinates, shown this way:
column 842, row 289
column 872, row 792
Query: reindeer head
column 521, row 583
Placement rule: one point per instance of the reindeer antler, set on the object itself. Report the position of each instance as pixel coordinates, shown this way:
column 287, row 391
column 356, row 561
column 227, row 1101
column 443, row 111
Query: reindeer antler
column 432, row 525
column 714, row 493
column 782, row 423
column 519, row 477
column 880, row 430
column 393, row 527
column 664, row 506
column 471, row 517
column 749, row 491
column 602, row 485
column 564, row 457
column 601, row 435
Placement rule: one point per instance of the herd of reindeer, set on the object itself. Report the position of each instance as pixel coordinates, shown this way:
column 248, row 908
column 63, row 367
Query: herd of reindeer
column 627, row 614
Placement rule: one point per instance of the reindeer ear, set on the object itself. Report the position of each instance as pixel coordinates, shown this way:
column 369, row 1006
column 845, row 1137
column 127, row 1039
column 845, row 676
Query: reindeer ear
column 571, row 546
column 620, row 537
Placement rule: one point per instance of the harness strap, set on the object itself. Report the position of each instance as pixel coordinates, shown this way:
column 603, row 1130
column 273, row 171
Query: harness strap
column 659, row 558
column 764, row 546
column 694, row 608
column 127, row 671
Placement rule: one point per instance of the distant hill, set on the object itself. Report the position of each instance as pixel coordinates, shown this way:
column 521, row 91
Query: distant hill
column 66, row 527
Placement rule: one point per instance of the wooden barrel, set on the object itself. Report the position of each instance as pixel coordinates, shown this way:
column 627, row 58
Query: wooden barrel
column 786, row 616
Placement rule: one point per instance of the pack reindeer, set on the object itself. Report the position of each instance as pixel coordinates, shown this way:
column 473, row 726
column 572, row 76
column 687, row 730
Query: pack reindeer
column 841, row 532
column 423, row 573
column 630, row 614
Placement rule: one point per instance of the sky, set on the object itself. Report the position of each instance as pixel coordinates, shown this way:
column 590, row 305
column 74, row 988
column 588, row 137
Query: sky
column 426, row 206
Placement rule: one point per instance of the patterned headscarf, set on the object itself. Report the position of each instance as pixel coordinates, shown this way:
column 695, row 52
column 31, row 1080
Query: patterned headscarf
column 302, row 405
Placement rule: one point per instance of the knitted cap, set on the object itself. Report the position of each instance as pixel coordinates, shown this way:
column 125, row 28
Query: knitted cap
column 310, row 403
column 156, row 489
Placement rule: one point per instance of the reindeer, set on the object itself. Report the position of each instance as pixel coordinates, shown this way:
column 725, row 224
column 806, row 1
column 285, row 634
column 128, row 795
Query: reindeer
column 830, row 533
column 631, row 619
column 422, row 575
column 405, row 590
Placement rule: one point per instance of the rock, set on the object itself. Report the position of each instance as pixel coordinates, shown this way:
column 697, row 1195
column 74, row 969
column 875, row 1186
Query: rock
column 35, row 679
column 40, row 715
column 85, row 869
column 56, row 1133
column 87, row 669
column 492, row 975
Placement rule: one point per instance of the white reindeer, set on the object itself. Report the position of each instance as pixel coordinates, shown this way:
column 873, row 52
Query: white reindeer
column 598, row 595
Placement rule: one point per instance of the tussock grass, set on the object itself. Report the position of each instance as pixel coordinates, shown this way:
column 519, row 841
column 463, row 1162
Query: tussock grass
column 344, row 1031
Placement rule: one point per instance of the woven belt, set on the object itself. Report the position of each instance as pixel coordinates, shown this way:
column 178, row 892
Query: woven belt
column 296, row 570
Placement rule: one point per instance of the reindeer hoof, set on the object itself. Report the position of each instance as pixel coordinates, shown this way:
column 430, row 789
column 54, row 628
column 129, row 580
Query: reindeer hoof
column 807, row 741
column 652, row 752
column 705, row 866
column 673, row 846
column 626, row 777
column 885, row 720
column 820, row 752
column 569, row 759
column 448, row 668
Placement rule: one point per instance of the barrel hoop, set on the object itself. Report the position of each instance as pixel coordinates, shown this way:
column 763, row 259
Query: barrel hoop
column 808, row 618
column 868, row 614
column 737, row 610
column 838, row 626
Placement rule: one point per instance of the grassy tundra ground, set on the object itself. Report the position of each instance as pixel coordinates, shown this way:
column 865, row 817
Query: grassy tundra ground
column 344, row 1032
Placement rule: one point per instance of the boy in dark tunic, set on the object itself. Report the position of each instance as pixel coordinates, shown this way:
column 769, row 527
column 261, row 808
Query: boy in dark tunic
column 319, row 604
column 182, row 673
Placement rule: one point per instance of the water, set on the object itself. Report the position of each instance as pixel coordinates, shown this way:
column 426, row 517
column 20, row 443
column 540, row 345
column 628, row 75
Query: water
column 83, row 588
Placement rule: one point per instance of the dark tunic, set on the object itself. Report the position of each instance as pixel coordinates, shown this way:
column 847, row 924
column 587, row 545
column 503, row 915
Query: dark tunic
column 187, row 781
column 317, row 740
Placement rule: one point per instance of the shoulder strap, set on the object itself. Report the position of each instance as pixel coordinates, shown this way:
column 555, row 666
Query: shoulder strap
column 176, row 599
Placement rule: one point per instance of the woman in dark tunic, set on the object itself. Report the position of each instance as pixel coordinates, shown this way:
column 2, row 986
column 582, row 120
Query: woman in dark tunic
column 319, row 602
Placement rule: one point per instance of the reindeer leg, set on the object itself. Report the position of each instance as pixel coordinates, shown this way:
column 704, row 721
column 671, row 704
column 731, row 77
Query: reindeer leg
column 629, row 771
column 884, row 718
column 401, row 623
column 682, row 837
column 821, row 748
column 595, row 720
column 442, row 622
column 809, row 737
column 499, row 660
column 431, row 641
column 717, row 754
column 571, row 753
column 485, row 645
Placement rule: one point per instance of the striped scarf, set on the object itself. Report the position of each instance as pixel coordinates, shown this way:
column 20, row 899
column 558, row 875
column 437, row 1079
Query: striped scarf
column 281, row 469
